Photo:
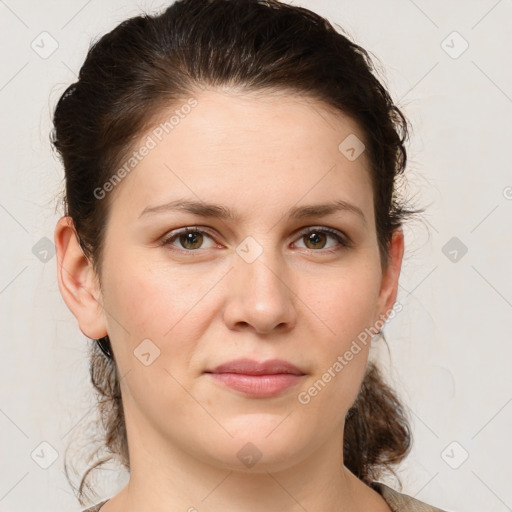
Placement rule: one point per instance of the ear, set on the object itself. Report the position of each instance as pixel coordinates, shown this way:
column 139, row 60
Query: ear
column 391, row 274
column 78, row 283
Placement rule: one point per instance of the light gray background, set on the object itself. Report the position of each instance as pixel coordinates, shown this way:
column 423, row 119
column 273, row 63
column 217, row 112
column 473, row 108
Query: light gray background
column 451, row 345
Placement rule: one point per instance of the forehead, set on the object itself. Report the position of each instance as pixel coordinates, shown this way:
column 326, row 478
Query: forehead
column 230, row 120
column 262, row 146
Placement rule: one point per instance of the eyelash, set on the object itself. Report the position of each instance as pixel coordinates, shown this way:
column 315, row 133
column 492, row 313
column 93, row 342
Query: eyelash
column 338, row 236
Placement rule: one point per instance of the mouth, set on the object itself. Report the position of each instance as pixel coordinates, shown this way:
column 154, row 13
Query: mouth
column 257, row 379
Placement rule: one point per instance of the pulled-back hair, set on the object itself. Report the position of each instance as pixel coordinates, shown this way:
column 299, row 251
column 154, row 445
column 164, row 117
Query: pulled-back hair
column 150, row 62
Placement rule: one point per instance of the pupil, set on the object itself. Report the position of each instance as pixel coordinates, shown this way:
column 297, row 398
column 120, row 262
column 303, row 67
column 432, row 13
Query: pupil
column 315, row 238
column 191, row 238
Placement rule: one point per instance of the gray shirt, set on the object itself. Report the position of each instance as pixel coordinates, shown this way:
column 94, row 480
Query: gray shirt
column 397, row 502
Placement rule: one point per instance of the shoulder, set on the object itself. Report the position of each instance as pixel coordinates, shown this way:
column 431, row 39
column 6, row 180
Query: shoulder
column 96, row 507
column 401, row 502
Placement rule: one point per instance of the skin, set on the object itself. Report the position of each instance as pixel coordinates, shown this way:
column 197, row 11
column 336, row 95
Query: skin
column 260, row 155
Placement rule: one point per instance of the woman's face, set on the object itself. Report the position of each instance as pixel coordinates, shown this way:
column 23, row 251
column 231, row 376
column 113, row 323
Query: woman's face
column 265, row 282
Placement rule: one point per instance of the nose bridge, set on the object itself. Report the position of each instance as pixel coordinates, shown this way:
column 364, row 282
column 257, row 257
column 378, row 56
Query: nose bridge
column 261, row 297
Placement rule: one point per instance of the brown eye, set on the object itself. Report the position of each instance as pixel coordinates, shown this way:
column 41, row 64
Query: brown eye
column 316, row 239
column 189, row 239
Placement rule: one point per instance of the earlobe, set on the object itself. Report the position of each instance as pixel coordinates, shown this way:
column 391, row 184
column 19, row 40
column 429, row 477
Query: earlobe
column 78, row 282
column 391, row 274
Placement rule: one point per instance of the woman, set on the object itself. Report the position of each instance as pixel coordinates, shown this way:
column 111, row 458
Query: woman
column 233, row 242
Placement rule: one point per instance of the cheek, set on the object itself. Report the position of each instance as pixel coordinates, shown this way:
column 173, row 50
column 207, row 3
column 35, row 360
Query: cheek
column 140, row 303
column 347, row 306
column 159, row 306
column 347, row 303
column 168, row 306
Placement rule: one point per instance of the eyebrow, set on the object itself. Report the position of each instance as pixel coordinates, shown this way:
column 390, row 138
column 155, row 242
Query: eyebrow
column 222, row 212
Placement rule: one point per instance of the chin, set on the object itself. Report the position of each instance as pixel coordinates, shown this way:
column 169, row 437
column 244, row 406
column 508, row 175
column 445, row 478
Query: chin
column 260, row 443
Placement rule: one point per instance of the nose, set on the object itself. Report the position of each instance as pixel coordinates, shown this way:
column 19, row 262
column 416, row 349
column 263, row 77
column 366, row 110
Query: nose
column 260, row 295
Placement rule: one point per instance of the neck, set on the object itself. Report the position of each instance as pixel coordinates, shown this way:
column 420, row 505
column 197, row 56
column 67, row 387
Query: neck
column 173, row 480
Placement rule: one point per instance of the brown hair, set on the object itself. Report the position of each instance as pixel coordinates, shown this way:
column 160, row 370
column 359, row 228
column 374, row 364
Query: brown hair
column 150, row 62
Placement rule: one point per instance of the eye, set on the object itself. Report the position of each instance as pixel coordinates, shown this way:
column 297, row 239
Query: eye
column 316, row 239
column 190, row 239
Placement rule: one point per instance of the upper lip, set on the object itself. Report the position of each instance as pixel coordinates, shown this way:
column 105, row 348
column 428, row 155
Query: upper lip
column 252, row 367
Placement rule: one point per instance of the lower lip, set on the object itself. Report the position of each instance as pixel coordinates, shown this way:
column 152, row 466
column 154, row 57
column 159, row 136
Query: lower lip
column 258, row 385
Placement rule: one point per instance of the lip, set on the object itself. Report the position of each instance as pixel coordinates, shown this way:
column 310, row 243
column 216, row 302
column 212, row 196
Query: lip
column 252, row 367
column 258, row 379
